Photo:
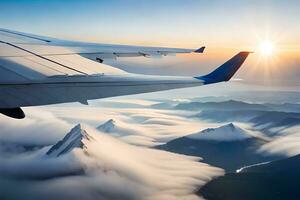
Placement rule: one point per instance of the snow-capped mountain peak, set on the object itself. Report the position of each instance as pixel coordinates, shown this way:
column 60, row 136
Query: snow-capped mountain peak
column 108, row 126
column 228, row 132
column 74, row 139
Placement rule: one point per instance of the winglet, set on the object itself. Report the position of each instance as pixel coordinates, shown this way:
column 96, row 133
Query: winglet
column 200, row 50
column 227, row 70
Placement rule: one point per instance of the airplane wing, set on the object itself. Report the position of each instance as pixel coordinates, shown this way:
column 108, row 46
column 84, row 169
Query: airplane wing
column 33, row 73
column 93, row 51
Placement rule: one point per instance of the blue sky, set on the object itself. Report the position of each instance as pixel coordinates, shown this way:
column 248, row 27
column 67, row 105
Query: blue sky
column 153, row 21
column 225, row 27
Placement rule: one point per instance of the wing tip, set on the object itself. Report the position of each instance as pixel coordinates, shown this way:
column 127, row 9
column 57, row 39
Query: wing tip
column 246, row 52
column 200, row 50
column 226, row 71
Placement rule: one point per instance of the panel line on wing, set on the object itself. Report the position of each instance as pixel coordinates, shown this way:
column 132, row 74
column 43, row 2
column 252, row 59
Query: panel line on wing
column 15, row 46
column 47, row 66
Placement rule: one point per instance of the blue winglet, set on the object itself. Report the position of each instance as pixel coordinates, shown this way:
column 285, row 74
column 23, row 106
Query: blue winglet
column 200, row 50
column 225, row 71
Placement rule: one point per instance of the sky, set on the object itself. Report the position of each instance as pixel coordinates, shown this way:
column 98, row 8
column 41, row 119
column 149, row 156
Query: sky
column 225, row 27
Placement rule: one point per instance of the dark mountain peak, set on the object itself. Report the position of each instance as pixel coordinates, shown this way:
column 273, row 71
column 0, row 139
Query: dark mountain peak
column 230, row 125
column 73, row 139
column 111, row 121
column 108, row 126
column 226, row 133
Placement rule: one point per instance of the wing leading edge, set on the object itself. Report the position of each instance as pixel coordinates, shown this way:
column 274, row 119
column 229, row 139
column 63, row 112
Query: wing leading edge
column 94, row 51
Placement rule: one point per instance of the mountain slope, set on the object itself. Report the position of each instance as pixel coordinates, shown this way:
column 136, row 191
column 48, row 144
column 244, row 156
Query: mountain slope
column 275, row 180
column 228, row 147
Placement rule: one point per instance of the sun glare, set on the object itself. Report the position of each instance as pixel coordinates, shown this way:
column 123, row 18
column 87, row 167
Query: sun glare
column 266, row 48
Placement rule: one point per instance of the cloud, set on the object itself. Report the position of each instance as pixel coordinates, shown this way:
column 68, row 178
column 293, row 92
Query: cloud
column 39, row 128
column 140, row 126
column 288, row 145
column 112, row 170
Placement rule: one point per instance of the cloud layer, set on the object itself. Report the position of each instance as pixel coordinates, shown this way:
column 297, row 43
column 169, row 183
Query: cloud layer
column 287, row 144
column 140, row 125
column 112, row 170
column 39, row 128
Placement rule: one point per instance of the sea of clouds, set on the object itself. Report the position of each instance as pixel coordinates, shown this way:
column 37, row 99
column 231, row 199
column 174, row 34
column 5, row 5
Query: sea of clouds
column 113, row 167
column 119, row 165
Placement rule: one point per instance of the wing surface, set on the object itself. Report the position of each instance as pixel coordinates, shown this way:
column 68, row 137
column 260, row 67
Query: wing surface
column 94, row 51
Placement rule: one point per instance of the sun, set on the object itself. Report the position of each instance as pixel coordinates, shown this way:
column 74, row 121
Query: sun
column 266, row 48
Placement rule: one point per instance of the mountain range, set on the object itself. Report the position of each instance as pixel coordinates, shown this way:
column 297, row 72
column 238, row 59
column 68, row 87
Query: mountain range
column 264, row 121
column 88, row 157
column 225, row 105
column 229, row 147
column 238, row 105
column 262, row 116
